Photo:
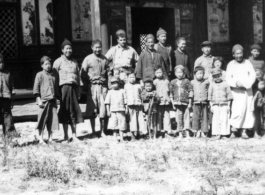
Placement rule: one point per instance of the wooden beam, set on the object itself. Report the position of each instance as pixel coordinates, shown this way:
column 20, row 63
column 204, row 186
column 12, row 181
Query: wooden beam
column 96, row 20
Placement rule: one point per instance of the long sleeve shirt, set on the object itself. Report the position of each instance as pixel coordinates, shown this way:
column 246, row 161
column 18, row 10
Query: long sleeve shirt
column 182, row 58
column 68, row 71
column 162, row 90
column 206, row 62
column 219, row 93
column 133, row 94
column 94, row 70
column 6, row 84
column 147, row 100
column 46, row 86
column 166, row 53
column 180, row 91
column 116, row 99
column 148, row 62
column 200, row 90
column 257, row 64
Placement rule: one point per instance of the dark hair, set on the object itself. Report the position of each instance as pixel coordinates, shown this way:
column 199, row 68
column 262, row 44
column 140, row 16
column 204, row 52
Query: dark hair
column 158, row 67
column 221, row 59
column 181, row 39
column 97, row 41
column 148, row 81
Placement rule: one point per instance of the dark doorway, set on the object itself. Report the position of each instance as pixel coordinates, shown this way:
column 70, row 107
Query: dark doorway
column 149, row 20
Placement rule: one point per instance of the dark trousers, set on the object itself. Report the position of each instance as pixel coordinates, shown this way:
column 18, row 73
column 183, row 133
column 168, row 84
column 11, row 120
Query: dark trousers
column 258, row 122
column 6, row 115
column 200, row 117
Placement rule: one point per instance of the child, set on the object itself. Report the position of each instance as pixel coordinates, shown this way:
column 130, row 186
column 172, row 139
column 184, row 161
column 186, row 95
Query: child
column 200, row 103
column 206, row 60
column 116, row 104
column 181, row 99
column 164, row 49
column 218, row 63
column 181, row 57
column 220, row 97
column 163, row 109
column 258, row 101
column 149, row 60
column 46, row 92
column 94, row 77
column 6, row 93
column 150, row 101
column 134, row 106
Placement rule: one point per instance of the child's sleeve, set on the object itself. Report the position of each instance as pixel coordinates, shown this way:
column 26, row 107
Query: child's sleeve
column 210, row 93
column 107, row 100
column 36, row 87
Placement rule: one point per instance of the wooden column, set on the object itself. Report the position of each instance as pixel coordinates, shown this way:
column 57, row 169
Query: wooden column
column 96, row 20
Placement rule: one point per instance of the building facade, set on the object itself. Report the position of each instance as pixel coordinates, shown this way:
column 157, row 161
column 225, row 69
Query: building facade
column 30, row 29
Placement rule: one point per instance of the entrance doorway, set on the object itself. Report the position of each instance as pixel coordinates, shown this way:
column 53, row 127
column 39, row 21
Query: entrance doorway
column 148, row 21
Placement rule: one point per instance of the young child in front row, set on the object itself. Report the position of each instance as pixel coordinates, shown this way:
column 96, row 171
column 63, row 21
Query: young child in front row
column 181, row 98
column 6, row 93
column 163, row 109
column 116, row 105
column 46, row 92
column 150, row 101
column 200, row 102
column 133, row 93
column 220, row 97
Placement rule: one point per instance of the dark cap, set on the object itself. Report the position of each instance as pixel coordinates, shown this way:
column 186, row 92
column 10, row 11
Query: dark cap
column 44, row 58
column 255, row 46
column 120, row 33
column 198, row 68
column 179, row 67
column 66, row 42
column 206, row 43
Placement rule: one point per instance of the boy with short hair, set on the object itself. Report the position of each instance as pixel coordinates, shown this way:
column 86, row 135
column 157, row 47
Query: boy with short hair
column 163, row 109
column 6, row 93
column 220, row 97
column 46, row 92
column 181, row 57
column 94, row 78
column 149, row 60
column 200, row 102
column 206, row 60
column 181, row 98
column 164, row 49
column 150, row 101
column 133, row 93
column 116, row 105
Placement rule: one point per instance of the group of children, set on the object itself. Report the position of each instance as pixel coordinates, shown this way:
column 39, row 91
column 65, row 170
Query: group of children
column 135, row 93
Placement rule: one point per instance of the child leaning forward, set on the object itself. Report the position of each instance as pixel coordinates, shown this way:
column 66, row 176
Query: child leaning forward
column 220, row 97
column 181, row 98
column 116, row 105
column 46, row 91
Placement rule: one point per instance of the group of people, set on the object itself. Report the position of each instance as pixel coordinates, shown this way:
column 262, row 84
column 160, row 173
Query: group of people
column 136, row 93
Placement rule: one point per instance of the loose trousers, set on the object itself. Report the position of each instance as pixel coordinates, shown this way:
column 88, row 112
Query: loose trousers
column 200, row 117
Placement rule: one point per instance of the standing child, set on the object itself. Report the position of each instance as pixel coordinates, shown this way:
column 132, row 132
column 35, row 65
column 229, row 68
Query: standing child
column 220, row 97
column 200, row 103
column 255, row 58
column 164, row 49
column 181, row 98
column 46, row 91
column 133, row 92
column 150, row 101
column 94, row 77
column 181, row 57
column 116, row 105
column 206, row 60
column 6, row 93
column 149, row 60
column 218, row 63
column 163, row 109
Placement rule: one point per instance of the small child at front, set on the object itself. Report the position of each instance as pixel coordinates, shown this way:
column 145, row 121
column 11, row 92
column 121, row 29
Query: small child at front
column 116, row 105
column 200, row 102
column 6, row 93
column 181, row 98
column 163, row 109
column 218, row 63
column 220, row 97
column 133, row 93
column 150, row 101
column 46, row 92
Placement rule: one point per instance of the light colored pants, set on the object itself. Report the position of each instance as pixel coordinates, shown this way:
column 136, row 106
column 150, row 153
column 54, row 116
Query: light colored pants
column 183, row 117
column 117, row 121
column 220, row 124
column 163, row 118
column 137, row 122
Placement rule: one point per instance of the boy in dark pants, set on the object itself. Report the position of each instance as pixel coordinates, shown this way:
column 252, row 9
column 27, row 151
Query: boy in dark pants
column 6, row 93
column 46, row 92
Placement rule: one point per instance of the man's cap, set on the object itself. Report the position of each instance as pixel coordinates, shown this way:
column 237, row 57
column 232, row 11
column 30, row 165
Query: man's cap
column 179, row 67
column 44, row 58
column 198, row 68
column 237, row 47
column 255, row 46
column 206, row 43
column 66, row 42
column 150, row 36
column 120, row 33
column 160, row 32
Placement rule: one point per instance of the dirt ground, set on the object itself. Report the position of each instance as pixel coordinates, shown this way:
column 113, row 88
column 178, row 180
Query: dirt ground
column 105, row 167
